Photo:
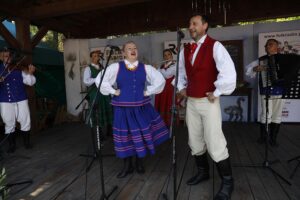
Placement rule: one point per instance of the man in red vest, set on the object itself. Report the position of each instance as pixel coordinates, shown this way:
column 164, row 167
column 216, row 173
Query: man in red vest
column 206, row 71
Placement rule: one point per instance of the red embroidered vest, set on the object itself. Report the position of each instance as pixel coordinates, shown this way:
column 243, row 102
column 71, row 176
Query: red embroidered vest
column 202, row 75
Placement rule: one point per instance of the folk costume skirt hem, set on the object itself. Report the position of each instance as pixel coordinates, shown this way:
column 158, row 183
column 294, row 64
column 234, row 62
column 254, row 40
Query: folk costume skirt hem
column 137, row 130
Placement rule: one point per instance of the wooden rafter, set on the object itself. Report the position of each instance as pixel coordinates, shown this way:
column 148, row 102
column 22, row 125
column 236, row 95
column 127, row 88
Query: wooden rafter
column 38, row 36
column 67, row 7
column 86, row 18
column 9, row 38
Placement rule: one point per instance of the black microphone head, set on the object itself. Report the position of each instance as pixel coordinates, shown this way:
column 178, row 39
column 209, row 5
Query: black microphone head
column 180, row 34
column 114, row 47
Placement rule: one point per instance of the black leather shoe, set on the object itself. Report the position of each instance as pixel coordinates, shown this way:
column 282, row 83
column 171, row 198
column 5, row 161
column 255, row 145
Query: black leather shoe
column 225, row 172
column 226, row 189
column 127, row 168
column 139, row 166
column 202, row 170
column 273, row 134
column 263, row 134
column 26, row 138
column 12, row 143
column 202, row 175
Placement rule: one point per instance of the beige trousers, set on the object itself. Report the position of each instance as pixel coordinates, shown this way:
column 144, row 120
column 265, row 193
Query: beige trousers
column 12, row 112
column 204, row 123
column 275, row 104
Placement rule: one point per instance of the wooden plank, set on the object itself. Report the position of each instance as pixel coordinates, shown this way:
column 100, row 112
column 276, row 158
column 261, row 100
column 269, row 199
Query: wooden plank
column 242, row 189
column 136, row 183
column 67, row 7
column 254, row 181
column 271, row 185
column 183, row 154
column 286, row 148
column 54, row 164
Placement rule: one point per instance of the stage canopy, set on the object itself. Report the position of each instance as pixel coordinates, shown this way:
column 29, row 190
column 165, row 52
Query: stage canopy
column 102, row 18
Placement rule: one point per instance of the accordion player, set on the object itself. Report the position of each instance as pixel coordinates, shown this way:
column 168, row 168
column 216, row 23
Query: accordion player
column 280, row 71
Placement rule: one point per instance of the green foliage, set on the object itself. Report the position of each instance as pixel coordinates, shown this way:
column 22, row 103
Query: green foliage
column 271, row 20
column 52, row 39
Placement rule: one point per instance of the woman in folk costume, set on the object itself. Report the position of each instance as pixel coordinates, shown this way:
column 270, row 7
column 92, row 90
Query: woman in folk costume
column 137, row 127
column 163, row 101
column 105, row 109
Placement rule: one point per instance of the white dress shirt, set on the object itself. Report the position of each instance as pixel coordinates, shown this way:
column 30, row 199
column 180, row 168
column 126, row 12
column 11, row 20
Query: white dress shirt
column 169, row 72
column 28, row 79
column 226, row 79
column 249, row 69
column 155, row 80
column 87, row 75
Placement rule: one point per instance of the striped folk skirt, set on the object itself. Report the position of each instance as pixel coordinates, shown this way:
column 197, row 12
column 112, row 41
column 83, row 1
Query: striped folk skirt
column 137, row 130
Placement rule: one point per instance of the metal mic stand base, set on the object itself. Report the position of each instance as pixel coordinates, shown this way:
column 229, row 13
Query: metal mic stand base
column 267, row 165
column 297, row 158
column 106, row 197
column 94, row 157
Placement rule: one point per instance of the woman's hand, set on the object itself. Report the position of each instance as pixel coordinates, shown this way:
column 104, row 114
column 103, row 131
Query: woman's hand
column 117, row 93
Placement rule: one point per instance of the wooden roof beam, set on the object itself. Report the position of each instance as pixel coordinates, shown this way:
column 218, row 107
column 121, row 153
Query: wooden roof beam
column 8, row 37
column 38, row 36
column 10, row 9
column 57, row 25
column 67, row 7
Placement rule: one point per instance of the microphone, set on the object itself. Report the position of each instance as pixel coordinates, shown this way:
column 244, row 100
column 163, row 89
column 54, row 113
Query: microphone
column 180, row 34
column 116, row 48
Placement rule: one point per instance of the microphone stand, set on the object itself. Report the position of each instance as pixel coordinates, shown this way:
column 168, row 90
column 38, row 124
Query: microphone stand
column 297, row 158
column 180, row 35
column 99, row 135
column 94, row 155
column 267, row 164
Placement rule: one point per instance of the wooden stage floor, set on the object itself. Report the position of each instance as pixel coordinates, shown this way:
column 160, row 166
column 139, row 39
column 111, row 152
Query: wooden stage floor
column 59, row 173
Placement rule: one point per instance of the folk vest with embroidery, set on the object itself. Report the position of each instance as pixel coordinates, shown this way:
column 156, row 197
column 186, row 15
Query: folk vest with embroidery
column 132, row 85
column 203, row 73
column 12, row 89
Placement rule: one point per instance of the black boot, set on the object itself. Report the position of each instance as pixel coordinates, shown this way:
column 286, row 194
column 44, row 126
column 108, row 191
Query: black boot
column 202, row 170
column 11, row 142
column 263, row 134
column 274, row 130
column 139, row 165
column 26, row 138
column 224, row 169
column 127, row 168
column 109, row 130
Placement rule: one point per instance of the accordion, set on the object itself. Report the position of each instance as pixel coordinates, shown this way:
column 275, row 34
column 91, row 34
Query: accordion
column 281, row 69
